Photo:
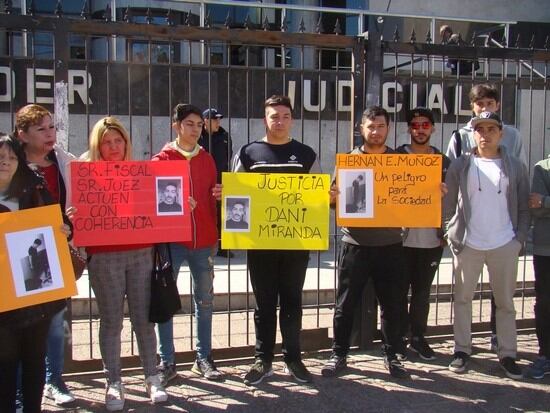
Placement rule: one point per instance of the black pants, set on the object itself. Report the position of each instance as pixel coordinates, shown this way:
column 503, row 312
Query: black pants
column 385, row 266
column 421, row 264
column 25, row 346
column 278, row 275
column 541, row 264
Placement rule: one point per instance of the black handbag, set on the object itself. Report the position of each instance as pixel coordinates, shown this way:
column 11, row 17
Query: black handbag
column 165, row 298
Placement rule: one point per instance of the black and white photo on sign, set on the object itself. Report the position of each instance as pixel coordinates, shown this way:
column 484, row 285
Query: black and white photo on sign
column 356, row 193
column 237, row 214
column 169, row 195
column 34, row 261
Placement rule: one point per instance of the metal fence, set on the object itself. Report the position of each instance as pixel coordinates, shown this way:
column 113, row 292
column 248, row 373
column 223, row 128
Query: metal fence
column 139, row 71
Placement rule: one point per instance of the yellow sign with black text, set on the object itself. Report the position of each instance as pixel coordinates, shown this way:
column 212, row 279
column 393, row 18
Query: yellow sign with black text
column 275, row 211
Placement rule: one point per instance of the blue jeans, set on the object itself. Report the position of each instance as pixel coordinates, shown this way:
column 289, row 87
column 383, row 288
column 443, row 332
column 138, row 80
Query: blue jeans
column 55, row 355
column 202, row 274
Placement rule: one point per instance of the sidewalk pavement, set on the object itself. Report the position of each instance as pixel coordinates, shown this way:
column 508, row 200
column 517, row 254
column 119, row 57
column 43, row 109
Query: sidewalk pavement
column 365, row 387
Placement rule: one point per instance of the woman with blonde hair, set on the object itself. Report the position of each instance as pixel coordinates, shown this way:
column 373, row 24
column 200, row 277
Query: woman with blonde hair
column 117, row 271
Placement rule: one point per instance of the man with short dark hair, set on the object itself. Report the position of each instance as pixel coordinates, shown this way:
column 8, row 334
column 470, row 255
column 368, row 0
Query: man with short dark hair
column 237, row 216
column 277, row 276
column 375, row 253
column 423, row 247
column 487, row 219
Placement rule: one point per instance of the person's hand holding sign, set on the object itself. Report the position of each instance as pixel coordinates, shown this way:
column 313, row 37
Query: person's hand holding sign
column 333, row 192
column 217, row 192
column 192, row 203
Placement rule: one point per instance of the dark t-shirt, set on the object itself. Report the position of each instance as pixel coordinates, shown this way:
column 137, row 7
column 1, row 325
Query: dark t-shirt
column 291, row 157
column 164, row 207
column 374, row 237
column 236, row 224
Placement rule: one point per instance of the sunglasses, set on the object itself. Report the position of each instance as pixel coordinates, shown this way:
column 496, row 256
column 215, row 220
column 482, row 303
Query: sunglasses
column 423, row 125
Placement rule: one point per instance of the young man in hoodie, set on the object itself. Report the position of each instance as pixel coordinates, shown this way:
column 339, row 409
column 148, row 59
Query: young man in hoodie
column 487, row 219
column 423, row 247
column 187, row 122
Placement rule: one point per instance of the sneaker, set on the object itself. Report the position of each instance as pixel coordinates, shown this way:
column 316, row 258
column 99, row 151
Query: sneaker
column 207, row 369
column 458, row 365
column 494, row 343
column 19, row 402
column 59, row 393
column 297, row 370
column 167, row 373
column 421, row 347
column 334, row 365
column 114, row 396
column 401, row 349
column 510, row 367
column 257, row 372
column 155, row 389
column 538, row 368
column 395, row 367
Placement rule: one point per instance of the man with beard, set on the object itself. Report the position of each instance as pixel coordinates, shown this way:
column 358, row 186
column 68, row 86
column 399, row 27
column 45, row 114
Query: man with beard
column 169, row 202
column 375, row 253
column 423, row 247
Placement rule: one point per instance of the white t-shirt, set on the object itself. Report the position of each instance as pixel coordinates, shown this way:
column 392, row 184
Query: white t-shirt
column 490, row 225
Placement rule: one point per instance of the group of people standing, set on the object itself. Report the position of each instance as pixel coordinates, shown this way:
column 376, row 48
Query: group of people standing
column 486, row 218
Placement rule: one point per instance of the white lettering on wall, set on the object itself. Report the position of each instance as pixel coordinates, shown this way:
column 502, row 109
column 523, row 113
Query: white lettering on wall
column 322, row 97
column 5, row 76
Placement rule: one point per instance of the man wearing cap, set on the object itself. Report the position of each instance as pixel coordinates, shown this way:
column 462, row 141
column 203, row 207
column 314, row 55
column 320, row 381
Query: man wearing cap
column 217, row 141
column 486, row 98
column 423, row 247
column 487, row 217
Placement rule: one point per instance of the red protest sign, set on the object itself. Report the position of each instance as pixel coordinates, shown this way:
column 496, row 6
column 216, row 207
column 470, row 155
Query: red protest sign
column 130, row 202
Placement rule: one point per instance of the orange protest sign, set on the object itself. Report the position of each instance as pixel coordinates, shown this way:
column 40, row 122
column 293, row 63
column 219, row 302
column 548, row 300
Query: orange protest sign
column 389, row 190
column 130, row 202
column 37, row 267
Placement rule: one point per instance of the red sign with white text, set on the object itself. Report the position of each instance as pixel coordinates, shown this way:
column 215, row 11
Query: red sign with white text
column 130, row 202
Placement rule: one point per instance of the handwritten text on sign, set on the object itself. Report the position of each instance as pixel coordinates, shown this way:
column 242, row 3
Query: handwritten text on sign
column 130, row 202
column 389, row 190
column 275, row 211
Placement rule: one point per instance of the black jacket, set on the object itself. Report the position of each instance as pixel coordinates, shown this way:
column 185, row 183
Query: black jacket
column 34, row 195
column 221, row 150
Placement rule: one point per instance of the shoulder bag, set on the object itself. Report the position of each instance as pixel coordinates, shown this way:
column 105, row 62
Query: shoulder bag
column 165, row 298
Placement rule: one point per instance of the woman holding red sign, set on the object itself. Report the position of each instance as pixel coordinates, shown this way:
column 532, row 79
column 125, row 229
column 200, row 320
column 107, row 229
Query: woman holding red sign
column 117, row 271
column 24, row 331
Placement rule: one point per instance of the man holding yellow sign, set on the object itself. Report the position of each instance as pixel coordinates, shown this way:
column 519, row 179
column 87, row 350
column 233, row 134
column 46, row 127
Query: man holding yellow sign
column 277, row 275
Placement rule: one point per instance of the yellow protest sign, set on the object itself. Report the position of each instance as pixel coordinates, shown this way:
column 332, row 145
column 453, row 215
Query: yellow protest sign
column 275, row 211
column 37, row 267
column 389, row 190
